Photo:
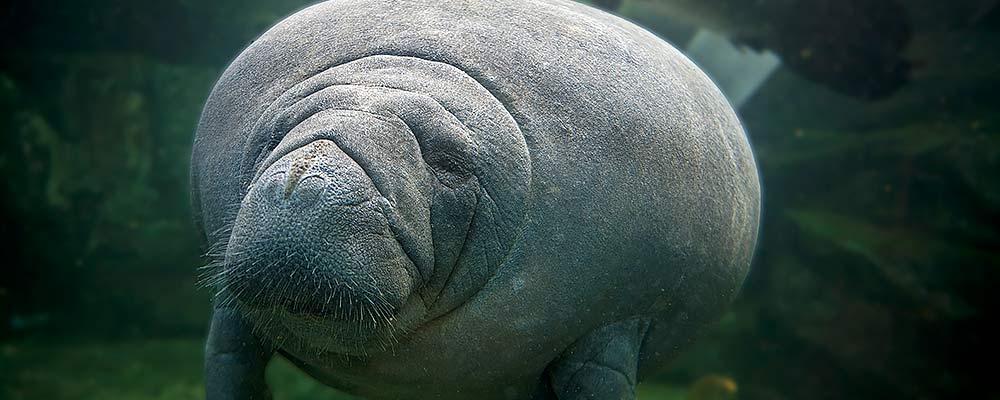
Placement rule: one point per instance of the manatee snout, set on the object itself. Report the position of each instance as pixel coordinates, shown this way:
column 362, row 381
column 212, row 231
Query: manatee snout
column 312, row 251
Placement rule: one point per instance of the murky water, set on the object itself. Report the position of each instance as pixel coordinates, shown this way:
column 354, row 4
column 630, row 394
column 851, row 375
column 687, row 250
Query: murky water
column 875, row 126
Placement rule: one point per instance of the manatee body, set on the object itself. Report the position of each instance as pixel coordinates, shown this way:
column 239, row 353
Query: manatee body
column 457, row 199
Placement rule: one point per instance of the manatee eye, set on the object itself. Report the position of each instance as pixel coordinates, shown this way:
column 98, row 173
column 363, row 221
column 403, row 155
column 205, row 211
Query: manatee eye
column 450, row 168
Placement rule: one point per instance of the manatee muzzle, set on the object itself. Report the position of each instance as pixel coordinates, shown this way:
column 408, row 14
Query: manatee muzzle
column 312, row 238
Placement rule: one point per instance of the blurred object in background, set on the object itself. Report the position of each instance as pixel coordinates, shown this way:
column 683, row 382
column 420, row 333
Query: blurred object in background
column 738, row 72
column 713, row 387
column 855, row 47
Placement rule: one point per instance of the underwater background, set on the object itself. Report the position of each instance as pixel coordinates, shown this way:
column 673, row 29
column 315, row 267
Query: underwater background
column 878, row 142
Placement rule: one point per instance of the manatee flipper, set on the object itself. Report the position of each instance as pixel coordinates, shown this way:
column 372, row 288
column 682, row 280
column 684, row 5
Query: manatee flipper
column 235, row 359
column 601, row 365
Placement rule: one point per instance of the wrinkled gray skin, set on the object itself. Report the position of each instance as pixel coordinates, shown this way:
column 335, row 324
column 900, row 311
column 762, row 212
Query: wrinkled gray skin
column 457, row 199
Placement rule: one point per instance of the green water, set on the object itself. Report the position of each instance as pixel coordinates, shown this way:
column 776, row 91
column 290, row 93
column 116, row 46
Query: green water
column 878, row 252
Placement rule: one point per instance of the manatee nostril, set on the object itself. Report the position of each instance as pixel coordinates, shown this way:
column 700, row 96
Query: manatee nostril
column 309, row 189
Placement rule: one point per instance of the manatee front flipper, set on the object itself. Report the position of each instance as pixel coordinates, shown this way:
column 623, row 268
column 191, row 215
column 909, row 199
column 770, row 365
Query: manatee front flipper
column 601, row 365
column 234, row 359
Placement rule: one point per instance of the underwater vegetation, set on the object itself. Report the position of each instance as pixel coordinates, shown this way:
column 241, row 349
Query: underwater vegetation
column 873, row 278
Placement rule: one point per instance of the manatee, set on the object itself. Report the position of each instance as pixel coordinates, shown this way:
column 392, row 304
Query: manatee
column 453, row 199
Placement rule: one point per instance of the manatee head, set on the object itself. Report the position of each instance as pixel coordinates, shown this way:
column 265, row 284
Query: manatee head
column 380, row 194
